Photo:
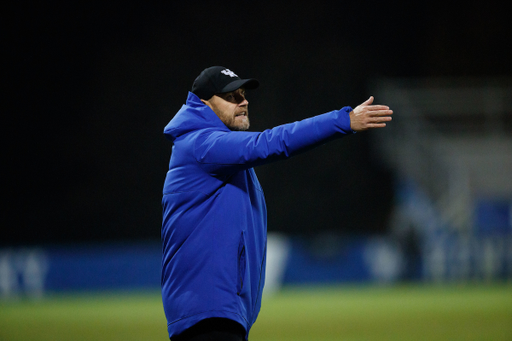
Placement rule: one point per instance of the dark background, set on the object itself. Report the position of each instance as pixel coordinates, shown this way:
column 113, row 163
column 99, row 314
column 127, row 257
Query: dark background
column 90, row 88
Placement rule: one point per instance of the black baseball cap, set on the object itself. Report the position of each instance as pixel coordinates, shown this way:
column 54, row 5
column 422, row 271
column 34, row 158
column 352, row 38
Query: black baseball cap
column 218, row 80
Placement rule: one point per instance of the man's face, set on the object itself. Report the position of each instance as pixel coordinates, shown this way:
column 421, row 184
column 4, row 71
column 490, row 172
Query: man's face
column 232, row 109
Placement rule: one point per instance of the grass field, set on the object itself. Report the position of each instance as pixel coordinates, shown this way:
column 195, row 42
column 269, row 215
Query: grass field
column 466, row 312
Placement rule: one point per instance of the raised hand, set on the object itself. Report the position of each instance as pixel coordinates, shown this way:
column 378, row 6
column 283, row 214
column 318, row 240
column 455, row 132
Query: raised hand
column 368, row 116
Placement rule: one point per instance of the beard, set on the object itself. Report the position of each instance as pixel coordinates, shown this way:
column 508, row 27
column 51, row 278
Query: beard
column 243, row 125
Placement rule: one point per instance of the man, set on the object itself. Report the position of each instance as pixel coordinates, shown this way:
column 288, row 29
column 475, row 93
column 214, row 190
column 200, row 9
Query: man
column 214, row 214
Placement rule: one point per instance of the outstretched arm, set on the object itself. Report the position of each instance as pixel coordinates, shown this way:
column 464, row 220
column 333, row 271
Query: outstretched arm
column 219, row 150
column 367, row 116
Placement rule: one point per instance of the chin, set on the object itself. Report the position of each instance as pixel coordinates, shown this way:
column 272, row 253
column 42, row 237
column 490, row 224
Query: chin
column 240, row 127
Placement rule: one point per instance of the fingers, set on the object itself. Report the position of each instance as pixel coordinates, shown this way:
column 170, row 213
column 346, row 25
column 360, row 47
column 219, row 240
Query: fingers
column 380, row 112
column 367, row 121
column 372, row 111
column 383, row 108
column 378, row 120
column 376, row 125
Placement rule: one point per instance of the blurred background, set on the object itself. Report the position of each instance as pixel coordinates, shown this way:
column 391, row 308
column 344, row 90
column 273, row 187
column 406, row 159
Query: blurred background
column 90, row 87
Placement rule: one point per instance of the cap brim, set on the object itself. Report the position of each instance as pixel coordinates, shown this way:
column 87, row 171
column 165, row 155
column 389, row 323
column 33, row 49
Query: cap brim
column 250, row 83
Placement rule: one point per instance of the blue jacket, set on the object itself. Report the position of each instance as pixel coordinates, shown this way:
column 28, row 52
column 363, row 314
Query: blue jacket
column 214, row 215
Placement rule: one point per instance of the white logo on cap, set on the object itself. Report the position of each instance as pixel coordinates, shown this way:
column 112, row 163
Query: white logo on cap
column 229, row 73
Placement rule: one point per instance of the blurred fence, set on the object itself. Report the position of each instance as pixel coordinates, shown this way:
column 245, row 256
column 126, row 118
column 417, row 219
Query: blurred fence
column 32, row 272
column 324, row 259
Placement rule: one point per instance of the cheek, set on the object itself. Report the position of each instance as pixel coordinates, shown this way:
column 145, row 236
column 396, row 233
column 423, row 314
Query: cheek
column 226, row 116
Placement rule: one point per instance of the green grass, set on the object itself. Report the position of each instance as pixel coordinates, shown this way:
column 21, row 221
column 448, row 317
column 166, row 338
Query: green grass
column 466, row 312
column 388, row 313
column 85, row 317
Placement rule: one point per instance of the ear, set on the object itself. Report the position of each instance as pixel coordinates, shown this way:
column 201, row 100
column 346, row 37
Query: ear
column 207, row 103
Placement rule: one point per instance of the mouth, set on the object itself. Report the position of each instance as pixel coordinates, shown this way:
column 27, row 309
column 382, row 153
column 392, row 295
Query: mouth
column 243, row 113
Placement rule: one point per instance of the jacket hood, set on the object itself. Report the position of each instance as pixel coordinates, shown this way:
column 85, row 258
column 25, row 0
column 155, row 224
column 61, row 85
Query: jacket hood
column 193, row 115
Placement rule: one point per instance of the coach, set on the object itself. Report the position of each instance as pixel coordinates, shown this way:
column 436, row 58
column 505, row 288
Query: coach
column 214, row 215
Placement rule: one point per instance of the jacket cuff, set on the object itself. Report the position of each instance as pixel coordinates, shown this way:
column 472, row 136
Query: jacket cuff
column 345, row 119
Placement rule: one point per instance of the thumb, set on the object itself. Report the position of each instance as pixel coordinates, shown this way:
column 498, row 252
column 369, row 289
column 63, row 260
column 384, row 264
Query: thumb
column 369, row 101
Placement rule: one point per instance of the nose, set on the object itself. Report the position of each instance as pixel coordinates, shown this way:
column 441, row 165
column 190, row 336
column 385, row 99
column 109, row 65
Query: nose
column 242, row 100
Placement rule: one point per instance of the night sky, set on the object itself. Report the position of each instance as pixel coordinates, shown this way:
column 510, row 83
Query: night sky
column 91, row 87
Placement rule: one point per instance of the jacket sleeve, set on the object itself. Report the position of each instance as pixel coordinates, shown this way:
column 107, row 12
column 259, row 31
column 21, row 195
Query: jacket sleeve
column 223, row 151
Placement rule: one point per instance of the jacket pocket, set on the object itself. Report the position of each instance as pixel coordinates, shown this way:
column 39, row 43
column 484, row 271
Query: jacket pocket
column 241, row 265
